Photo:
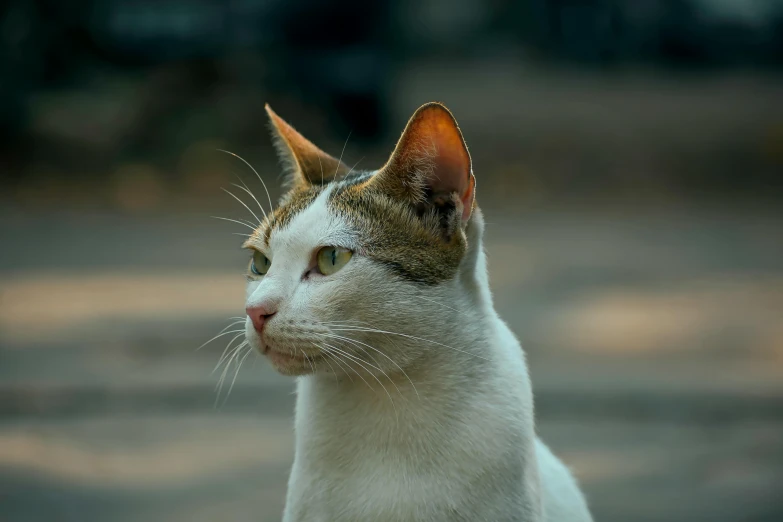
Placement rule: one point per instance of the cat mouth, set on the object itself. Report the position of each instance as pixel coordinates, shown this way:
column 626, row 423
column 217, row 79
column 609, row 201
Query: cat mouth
column 279, row 358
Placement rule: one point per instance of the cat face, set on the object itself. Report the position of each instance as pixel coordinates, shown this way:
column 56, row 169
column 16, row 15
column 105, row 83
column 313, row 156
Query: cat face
column 353, row 269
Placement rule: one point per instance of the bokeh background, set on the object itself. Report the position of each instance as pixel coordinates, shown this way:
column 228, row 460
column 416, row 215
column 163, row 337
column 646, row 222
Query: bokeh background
column 629, row 159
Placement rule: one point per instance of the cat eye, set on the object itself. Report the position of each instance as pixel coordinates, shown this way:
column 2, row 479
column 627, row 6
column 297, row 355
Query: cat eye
column 260, row 263
column 332, row 259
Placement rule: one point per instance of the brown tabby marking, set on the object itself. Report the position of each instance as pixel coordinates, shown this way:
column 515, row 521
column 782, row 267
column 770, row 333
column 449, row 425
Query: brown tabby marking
column 294, row 202
column 409, row 215
column 391, row 232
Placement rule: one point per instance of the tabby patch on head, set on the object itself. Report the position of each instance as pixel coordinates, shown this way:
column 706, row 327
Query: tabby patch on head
column 410, row 215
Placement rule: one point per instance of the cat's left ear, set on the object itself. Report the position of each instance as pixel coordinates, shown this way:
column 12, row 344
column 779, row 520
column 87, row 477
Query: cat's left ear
column 306, row 164
column 430, row 164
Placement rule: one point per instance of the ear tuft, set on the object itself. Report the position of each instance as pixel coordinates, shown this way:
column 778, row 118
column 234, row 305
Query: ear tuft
column 430, row 165
column 305, row 164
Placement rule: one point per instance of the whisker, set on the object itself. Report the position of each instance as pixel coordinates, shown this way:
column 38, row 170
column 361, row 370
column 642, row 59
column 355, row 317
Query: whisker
column 271, row 206
column 246, row 189
column 225, row 351
column 241, row 203
column 357, row 345
column 362, row 329
column 219, row 384
column 244, row 223
column 377, row 367
column 337, row 353
column 354, row 166
column 339, row 161
column 344, row 364
column 327, row 362
column 236, row 373
column 334, row 358
column 221, row 380
column 347, row 322
column 353, row 358
column 354, row 341
column 234, row 321
column 221, row 334
column 441, row 304
column 310, row 362
column 362, row 364
column 234, row 356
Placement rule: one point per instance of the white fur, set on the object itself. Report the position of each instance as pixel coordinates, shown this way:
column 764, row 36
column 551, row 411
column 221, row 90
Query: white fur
column 440, row 429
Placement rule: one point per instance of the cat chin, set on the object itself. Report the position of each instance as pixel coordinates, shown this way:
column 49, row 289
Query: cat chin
column 290, row 364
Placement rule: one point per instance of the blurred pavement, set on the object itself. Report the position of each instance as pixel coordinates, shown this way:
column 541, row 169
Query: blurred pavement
column 654, row 338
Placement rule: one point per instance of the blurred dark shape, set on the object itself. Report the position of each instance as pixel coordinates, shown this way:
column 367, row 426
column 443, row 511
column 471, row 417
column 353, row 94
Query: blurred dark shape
column 657, row 32
column 337, row 56
column 157, row 76
column 179, row 56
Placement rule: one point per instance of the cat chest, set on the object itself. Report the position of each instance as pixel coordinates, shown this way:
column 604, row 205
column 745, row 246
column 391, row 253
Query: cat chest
column 367, row 494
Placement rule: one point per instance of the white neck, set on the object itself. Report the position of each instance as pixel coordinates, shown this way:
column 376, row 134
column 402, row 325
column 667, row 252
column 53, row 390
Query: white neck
column 457, row 412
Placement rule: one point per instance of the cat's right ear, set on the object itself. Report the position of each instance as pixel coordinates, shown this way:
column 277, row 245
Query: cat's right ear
column 431, row 166
column 304, row 163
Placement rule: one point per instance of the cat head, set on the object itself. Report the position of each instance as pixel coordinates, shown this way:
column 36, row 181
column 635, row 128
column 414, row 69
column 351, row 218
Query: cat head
column 361, row 271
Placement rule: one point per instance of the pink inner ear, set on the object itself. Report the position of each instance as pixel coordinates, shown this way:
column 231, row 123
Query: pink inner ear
column 452, row 168
column 432, row 145
column 451, row 161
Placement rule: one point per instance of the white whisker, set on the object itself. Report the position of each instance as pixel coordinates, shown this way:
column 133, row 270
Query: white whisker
column 361, row 363
column 441, row 304
column 221, row 334
column 354, row 341
column 234, row 355
column 310, row 362
column 241, row 222
column 354, row 166
column 236, row 373
column 241, row 203
column 225, row 351
column 327, row 362
column 362, row 329
column 247, row 189
column 334, row 358
column 339, row 161
column 336, row 353
column 271, row 206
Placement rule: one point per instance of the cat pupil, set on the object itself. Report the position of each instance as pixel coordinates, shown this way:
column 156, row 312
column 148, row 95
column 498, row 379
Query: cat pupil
column 334, row 256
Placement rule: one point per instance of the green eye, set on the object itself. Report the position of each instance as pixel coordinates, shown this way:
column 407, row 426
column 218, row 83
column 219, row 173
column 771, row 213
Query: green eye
column 260, row 263
column 332, row 259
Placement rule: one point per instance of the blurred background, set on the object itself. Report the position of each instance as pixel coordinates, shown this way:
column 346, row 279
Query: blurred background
column 629, row 159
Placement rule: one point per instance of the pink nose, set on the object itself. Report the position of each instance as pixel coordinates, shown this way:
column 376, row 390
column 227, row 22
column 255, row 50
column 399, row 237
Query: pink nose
column 259, row 315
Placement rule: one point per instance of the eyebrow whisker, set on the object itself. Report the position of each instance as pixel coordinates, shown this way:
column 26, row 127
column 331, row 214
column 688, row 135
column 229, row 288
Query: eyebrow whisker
column 241, row 222
column 241, row 203
column 271, row 206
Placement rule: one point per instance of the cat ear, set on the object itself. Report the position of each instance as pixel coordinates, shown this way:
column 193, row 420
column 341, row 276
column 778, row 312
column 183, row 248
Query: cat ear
column 430, row 164
column 306, row 164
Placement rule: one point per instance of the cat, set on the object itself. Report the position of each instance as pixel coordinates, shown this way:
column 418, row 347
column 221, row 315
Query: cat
column 413, row 396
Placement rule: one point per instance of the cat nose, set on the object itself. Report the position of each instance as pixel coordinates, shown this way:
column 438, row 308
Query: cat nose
column 259, row 315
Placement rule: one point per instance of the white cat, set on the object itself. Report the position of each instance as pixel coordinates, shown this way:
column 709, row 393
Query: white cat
column 413, row 396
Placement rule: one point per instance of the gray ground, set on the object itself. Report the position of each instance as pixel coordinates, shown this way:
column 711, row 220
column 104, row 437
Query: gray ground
column 654, row 337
